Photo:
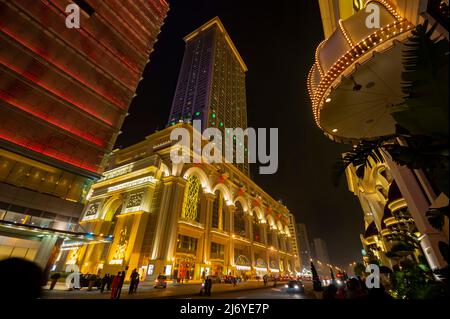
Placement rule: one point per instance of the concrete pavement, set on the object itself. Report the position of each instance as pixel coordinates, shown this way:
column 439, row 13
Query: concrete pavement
column 146, row 290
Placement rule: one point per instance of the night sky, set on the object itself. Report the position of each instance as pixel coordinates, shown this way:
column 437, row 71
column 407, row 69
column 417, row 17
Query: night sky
column 277, row 40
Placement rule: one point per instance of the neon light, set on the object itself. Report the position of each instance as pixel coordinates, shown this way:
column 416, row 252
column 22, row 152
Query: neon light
column 60, row 95
column 97, row 90
column 62, row 158
column 29, row 109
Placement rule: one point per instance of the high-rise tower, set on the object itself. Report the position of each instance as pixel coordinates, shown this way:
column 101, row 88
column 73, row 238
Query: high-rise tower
column 211, row 83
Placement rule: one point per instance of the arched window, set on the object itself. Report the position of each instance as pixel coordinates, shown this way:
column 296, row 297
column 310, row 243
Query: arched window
column 191, row 201
column 239, row 221
column 217, row 213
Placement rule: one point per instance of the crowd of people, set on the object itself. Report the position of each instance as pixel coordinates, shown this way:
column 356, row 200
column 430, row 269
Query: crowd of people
column 354, row 288
column 111, row 283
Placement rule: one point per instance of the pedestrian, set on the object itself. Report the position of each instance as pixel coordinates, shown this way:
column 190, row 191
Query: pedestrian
column 119, row 287
column 265, row 280
column 234, row 281
column 91, row 281
column 133, row 282
column 136, row 284
column 105, row 280
column 109, row 282
column 208, row 286
column 115, row 285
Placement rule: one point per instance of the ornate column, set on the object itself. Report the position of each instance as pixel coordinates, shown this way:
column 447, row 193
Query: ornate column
column 207, row 212
column 166, row 229
column 264, row 233
column 230, row 259
column 249, row 220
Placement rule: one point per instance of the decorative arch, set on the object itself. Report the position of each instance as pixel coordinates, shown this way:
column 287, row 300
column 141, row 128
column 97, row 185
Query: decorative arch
column 226, row 191
column 279, row 226
column 243, row 202
column 270, row 221
column 204, row 180
column 260, row 214
column 111, row 207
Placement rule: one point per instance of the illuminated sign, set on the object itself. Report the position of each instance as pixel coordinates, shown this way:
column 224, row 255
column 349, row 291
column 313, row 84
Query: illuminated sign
column 168, row 269
column 136, row 182
column 239, row 267
column 116, row 262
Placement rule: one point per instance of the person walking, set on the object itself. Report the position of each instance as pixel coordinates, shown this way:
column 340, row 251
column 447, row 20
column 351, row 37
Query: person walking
column 136, row 284
column 134, row 280
column 208, row 286
column 115, row 285
column 119, row 287
column 109, row 282
column 91, row 281
column 105, row 280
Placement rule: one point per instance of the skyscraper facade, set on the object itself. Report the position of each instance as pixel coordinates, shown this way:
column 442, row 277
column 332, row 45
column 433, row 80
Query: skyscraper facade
column 321, row 250
column 303, row 245
column 64, row 94
column 211, row 83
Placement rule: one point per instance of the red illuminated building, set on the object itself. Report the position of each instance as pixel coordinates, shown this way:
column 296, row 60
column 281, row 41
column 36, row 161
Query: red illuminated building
column 64, row 94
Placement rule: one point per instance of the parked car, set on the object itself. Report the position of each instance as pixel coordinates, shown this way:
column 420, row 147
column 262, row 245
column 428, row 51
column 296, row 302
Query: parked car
column 294, row 286
column 161, row 281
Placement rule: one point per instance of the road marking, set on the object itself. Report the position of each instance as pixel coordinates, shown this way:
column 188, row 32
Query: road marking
column 276, row 289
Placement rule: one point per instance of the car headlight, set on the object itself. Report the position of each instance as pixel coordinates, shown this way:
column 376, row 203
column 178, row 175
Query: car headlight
column 286, row 286
column 296, row 286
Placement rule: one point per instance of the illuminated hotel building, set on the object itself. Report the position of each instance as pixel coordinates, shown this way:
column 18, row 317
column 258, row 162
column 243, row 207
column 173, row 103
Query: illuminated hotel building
column 211, row 83
column 183, row 220
column 64, row 94
column 354, row 84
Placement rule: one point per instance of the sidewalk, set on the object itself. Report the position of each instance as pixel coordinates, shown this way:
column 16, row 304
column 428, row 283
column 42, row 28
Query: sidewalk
column 146, row 290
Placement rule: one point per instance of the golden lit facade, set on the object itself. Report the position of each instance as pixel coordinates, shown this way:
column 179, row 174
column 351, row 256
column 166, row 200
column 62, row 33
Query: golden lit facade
column 356, row 83
column 184, row 220
column 387, row 220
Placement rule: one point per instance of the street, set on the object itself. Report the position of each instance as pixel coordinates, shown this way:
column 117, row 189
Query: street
column 262, row 293
column 245, row 290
